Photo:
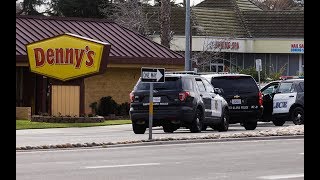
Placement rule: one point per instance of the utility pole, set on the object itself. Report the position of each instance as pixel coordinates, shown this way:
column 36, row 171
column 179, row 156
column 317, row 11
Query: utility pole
column 187, row 62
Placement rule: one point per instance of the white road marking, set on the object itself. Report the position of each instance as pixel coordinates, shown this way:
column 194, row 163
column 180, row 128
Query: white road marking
column 301, row 153
column 123, row 165
column 284, row 176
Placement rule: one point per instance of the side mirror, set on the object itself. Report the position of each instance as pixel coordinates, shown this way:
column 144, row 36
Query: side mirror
column 218, row 90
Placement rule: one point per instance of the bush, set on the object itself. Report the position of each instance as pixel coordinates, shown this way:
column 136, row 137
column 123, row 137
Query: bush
column 252, row 71
column 123, row 109
column 107, row 106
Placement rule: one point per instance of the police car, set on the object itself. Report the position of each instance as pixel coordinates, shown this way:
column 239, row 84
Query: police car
column 185, row 99
column 285, row 102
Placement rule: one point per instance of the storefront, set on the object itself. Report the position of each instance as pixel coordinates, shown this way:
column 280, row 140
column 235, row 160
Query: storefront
column 65, row 64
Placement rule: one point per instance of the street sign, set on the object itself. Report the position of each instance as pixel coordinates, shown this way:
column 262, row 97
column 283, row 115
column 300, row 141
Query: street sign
column 258, row 65
column 152, row 75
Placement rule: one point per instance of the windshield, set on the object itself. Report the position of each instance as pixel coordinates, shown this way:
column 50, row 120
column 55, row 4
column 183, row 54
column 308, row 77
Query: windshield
column 171, row 83
column 241, row 84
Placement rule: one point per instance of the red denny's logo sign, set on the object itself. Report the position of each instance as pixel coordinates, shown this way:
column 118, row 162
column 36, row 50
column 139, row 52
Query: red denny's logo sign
column 67, row 57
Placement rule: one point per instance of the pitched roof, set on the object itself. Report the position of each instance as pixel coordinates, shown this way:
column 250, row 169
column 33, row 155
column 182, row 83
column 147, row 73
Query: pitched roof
column 125, row 44
column 275, row 24
column 244, row 5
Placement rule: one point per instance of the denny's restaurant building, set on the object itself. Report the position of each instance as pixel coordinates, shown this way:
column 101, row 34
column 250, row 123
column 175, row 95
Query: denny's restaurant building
column 65, row 64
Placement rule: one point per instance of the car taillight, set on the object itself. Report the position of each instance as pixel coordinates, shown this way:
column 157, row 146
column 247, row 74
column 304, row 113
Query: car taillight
column 131, row 97
column 260, row 98
column 183, row 95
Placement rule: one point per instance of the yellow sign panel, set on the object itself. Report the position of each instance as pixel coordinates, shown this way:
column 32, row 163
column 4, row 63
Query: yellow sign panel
column 65, row 57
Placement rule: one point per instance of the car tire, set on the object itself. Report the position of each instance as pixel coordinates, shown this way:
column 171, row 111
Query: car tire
column 196, row 124
column 204, row 127
column 139, row 128
column 250, row 125
column 278, row 122
column 224, row 125
column 297, row 116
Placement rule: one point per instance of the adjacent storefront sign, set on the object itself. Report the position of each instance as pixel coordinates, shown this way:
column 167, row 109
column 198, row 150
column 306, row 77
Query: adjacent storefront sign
column 67, row 56
column 297, row 47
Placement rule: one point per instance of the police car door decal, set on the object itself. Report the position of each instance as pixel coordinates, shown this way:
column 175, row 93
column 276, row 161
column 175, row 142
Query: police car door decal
column 283, row 101
column 216, row 106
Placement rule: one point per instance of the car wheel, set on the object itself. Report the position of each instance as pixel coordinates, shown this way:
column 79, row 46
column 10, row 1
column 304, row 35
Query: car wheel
column 278, row 122
column 224, row 125
column 138, row 128
column 196, row 124
column 297, row 116
column 250, row 125
column 204, row 127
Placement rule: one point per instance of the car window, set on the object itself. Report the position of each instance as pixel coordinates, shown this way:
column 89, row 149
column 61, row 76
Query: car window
column 171, row 83
column 208, row 86
column 271, row 89
column 200, row 85
column 241, row 84
column 187, row 84
column 285, row 87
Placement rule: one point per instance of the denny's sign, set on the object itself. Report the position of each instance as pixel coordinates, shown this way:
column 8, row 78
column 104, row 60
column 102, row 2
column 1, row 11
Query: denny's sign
column 68, row 56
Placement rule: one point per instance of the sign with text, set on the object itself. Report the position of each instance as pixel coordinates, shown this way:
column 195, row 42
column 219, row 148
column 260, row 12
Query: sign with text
column 258, row 65
column 297, row 47
column 152, row 75
column 67, row 56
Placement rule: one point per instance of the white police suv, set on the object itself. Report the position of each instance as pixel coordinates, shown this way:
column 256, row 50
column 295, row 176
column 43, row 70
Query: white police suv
column 286, row 103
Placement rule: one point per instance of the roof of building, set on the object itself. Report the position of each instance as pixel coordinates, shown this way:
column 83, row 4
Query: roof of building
column 125, row 44
column 234, row 18
column 275, row 24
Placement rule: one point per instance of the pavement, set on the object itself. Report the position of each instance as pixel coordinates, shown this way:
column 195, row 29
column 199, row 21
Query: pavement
column 237, row 160
column 114, row 134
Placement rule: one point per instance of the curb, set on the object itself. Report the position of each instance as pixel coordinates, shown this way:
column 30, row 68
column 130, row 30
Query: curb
column 164, row 142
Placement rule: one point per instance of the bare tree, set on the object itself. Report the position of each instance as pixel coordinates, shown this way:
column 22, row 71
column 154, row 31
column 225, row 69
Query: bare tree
column 130, row 14
column 165, row 14
column 18, row 7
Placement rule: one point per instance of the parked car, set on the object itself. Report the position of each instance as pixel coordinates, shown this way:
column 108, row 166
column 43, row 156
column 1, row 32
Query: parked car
column 183, row 100
column 285, row 102
column 243, row 96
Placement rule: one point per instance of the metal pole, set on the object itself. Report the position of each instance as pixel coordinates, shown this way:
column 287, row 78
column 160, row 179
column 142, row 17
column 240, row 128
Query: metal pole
column 259, row 79
column 187, row 63
column 150, row 110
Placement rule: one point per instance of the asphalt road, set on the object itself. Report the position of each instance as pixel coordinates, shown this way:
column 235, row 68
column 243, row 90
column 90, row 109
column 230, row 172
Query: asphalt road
column 117, row 133
column 237, row 160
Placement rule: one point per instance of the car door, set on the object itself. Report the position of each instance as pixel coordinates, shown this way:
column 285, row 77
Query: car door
column 205, row 96
column 216, row 100
column 268, row 93
column 284, row 98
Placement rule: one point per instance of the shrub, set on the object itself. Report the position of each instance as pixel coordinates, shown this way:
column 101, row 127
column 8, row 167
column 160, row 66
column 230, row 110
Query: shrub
column 107, row 106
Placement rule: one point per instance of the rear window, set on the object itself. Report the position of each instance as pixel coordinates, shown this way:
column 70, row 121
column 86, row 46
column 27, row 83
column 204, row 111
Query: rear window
column 242, row 84
column 171, row 83
column 302, row 86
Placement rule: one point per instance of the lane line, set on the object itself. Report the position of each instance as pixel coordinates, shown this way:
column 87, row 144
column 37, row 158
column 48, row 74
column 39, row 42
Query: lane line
column 123, row 165
column 301, row 153
column 283, row 176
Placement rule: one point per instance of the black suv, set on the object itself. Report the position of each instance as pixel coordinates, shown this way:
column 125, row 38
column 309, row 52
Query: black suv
column 243, row 96
column 183, row 100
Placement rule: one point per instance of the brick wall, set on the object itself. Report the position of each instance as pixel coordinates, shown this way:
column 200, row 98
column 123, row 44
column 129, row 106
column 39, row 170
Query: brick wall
column 116, row 82
column 23, row 113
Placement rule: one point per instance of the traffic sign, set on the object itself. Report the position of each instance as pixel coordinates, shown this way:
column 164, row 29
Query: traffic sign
column 258, row 65
column 152, row 75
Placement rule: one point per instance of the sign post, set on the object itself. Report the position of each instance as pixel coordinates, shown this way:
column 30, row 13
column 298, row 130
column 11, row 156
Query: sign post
column 258, row 68
column 152, row 75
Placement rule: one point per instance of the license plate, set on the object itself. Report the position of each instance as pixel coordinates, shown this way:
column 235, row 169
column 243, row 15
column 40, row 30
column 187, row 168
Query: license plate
column 236, row 101
column 156, row 99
